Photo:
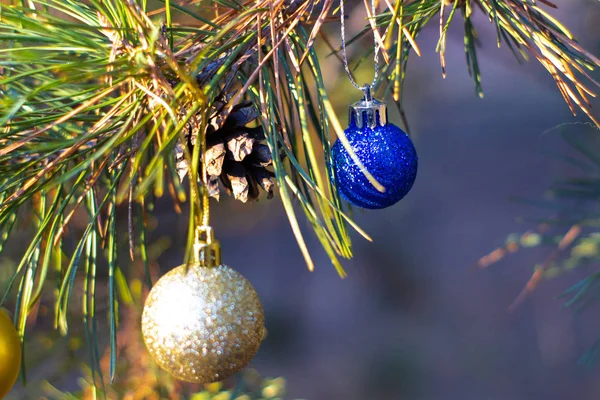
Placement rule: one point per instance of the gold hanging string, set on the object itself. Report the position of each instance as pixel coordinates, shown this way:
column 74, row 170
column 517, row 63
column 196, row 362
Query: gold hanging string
column 205, row 198
column 206, row 250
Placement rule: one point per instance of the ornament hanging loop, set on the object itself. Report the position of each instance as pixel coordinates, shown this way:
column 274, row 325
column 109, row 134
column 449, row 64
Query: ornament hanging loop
column 207, row 250
column 345, row 56
column 367, row 91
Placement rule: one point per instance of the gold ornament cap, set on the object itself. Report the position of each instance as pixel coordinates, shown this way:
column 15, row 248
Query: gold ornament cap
column 207, row 250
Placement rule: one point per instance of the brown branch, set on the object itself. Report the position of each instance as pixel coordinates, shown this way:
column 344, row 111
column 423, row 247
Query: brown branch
column 538, row 274
column 499, row 253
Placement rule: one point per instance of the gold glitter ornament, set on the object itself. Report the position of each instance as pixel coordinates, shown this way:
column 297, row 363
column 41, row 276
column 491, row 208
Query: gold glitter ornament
column 10, row 354
column 203, row 322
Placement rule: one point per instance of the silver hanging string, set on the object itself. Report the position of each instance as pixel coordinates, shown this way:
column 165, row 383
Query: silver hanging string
column 366, row 87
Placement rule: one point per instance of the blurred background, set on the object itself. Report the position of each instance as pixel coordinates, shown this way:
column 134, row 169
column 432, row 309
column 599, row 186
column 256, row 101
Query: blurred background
column 414, row 319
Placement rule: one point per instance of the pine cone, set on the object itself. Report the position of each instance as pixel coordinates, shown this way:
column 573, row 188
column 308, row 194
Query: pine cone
column 234, row 155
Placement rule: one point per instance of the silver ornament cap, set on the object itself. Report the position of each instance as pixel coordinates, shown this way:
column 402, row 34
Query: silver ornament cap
column 367, row 112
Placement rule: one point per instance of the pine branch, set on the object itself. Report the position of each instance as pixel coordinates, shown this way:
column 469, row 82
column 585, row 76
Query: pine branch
column 99, row 99
column 571, row 231
column 524, row 27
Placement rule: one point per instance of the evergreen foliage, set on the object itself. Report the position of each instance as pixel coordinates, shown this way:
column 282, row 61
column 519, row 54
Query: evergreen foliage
column 97, row 97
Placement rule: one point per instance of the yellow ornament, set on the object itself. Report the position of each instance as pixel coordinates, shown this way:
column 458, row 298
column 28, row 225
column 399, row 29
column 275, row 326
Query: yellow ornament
column 10, row 354
column 203, row 323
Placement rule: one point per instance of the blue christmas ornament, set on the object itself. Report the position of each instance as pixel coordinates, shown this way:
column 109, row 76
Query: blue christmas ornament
column 385, row 150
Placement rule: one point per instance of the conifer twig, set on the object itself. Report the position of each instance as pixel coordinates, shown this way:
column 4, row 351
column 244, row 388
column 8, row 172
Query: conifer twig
column 98, row 99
